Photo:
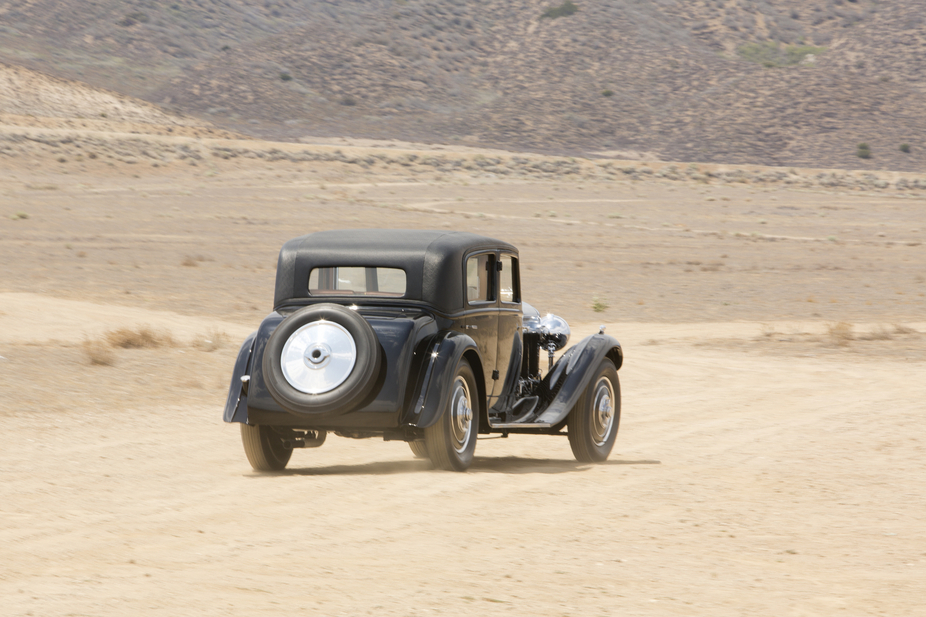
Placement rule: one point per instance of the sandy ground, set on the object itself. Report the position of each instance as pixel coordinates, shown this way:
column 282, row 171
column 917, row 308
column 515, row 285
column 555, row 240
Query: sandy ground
column 770, row 460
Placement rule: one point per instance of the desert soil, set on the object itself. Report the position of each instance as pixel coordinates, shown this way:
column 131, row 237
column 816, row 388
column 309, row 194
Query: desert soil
column 771, row 452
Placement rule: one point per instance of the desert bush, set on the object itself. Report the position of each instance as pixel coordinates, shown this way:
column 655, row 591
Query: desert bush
column 285, row 76
column 840, row 334
column 773, row 55
column 607, row 93
column 191, row 261
column 141, row 337
column 598, row 305
column 566, row 9
column 905, row 148
column 133, row 18
column 99, row 353
column 348, row 101
column 863, row 151
column 211, row 341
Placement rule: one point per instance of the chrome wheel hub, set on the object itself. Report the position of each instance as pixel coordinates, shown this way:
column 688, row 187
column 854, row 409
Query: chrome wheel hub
column 461, row 415
column 318, row 357
column 603, row 412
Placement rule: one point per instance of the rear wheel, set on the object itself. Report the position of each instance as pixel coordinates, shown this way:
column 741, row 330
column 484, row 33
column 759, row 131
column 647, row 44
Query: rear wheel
column 264, row 448
column 451, row 442
column 419, row 448
column 594, row 421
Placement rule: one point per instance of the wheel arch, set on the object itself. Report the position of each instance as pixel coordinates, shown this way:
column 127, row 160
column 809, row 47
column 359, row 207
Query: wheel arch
column 434, row 391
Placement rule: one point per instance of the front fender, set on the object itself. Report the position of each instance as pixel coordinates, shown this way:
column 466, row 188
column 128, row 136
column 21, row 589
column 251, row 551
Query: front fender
column 434, row 392
column 236, row 405
column 578, row 363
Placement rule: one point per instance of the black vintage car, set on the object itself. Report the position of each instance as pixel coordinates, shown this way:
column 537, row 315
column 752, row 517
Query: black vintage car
column 418, row 336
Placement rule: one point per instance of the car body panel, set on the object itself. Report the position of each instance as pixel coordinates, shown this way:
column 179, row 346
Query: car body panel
column 576, row 368
column 236, row 404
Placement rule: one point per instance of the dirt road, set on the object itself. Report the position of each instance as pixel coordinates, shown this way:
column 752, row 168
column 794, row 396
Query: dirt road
column 767, row 463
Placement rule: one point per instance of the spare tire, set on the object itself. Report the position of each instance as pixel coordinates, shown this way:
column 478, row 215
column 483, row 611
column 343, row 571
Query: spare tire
column 323, row 358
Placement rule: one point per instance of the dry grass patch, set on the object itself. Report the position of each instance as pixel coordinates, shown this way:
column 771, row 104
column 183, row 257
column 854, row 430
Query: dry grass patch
column 840, row 334
column 211, row 341
column 141, row 337
column 191, row 261
column 99, row 353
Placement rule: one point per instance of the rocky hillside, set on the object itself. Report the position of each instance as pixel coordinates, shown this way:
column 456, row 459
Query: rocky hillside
column 774, row 82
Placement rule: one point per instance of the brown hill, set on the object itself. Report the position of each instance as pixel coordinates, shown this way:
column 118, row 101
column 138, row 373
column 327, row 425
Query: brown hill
column 776, row 82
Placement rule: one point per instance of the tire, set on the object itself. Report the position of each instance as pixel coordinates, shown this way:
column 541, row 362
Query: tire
column 264, row 448
column 333, row 360
column 451, row 441
column 594, row 420
column 419, row 448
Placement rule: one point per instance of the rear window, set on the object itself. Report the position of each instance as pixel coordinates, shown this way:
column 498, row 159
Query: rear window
column 357, row 281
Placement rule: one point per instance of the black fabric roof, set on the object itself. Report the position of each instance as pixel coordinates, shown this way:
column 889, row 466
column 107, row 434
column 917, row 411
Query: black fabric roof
column 432, row 260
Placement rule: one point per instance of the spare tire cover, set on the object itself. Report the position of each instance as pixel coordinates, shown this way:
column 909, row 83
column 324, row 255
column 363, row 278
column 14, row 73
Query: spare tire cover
column 323, row 358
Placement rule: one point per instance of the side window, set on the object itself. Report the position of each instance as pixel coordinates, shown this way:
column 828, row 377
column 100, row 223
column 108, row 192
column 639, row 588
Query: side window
column 508, row 279
column 480, row 270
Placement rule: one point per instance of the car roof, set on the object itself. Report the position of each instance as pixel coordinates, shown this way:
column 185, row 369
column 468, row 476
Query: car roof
column 432, row 260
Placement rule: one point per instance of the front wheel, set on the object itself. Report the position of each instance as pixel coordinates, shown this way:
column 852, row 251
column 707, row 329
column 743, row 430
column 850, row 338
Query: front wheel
column 594, row 421
column 451, row 442
column 264, row 448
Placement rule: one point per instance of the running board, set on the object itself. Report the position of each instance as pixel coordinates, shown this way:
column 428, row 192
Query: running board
column 521, row 425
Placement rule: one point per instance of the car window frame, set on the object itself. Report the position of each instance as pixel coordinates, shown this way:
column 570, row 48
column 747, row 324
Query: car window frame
column 515, row 279
column 492, row 285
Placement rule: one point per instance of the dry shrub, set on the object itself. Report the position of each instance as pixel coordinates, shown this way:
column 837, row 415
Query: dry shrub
column 214, row 339
column 99, row 353
column 192, row 261
column 141, row 337
column 902, row 329
column 881, row 334
column 840, row 333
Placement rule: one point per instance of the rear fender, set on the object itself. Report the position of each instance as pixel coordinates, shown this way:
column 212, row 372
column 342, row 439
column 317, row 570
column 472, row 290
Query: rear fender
column 578, row 364
column 434, row 392
column 236, row 405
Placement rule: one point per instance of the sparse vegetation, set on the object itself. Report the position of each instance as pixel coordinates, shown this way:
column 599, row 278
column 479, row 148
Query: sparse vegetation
column 213, row 340
column 863, row 151
column 840, row 334
column 348, row 101
column 19, row 216
column 141, row 337
column 566, row 9
column 599, row 305
column 285, row 76
column 607, row 92
column 191, row 261
column 774, row 55
column 134, row 18
column 905, row 148
column 99, row 352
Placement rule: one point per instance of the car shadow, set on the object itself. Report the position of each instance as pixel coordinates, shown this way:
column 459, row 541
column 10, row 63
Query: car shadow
column 505, row 464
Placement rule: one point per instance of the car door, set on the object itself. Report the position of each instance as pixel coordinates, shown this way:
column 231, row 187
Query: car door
column 508, row 355
column 481, row 316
